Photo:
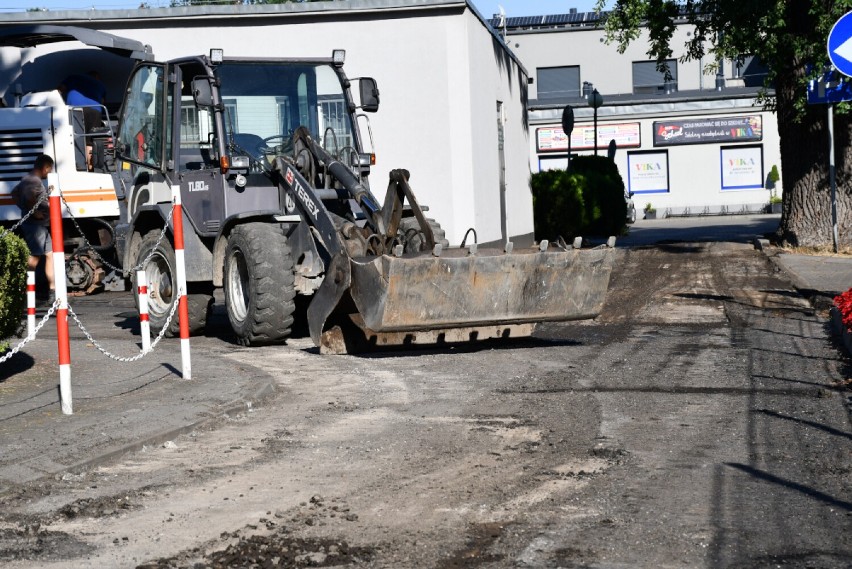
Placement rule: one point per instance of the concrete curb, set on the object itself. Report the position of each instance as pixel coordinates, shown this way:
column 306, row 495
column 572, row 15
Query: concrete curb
column 761, row 244
column 235, row 407
column 819, row 300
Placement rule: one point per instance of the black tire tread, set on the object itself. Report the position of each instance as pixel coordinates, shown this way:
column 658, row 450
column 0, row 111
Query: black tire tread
column 199, row 304
column 271, row 281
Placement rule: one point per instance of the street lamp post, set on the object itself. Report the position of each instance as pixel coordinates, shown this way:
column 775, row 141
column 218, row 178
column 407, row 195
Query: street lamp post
column 595, row 101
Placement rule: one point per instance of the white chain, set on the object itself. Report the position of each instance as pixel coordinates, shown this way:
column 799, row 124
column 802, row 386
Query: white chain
column 32, row 336
column 90, row 247
column 142, row 353
column 24, row 218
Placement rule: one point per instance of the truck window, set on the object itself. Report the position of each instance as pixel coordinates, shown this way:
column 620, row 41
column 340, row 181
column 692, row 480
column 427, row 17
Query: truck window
column 142, row 132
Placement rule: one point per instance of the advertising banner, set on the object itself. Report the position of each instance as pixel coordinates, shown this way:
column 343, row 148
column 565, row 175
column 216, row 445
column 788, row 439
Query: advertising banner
column 742, row 167
column 648, row 172
column 553, row 139
column 708, row 130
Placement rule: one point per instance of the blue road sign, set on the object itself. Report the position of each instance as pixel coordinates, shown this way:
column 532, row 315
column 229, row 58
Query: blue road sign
column 840, row 44
column 830, row 88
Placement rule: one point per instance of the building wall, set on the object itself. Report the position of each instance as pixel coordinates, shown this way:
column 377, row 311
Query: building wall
column 695, row 171
column 600, row 63
column 508, row 86
column 440, row 72
column 695, row 181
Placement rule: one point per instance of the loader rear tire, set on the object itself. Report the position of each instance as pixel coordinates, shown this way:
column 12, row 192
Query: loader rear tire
column 259, row 287
column 413, row 237
column 163, row 291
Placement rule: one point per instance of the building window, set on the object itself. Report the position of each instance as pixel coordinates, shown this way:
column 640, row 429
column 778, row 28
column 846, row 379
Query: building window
column 751, row 70
column 648, row 80
column 558, row 83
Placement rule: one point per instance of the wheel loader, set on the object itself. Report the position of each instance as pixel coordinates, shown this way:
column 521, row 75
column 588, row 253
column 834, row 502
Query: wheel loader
column 279, row 212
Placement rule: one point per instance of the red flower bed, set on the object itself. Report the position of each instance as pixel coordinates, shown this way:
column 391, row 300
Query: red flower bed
column 843, row 302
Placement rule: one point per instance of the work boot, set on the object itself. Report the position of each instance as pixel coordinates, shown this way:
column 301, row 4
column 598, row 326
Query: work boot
column 46, row 299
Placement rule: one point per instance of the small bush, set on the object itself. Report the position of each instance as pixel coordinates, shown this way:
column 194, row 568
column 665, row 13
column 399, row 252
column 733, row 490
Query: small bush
column 588, row 200
column 13, row 282
column 557, row 204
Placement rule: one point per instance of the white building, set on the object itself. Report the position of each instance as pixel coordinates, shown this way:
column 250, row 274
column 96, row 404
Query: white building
column 453, row 96
column 684, row 145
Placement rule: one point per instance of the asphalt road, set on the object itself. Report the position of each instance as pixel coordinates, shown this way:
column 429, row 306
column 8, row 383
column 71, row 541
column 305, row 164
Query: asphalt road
column 701, row 421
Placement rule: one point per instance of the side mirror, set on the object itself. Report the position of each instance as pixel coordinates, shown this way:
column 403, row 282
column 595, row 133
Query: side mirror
column 202, row 92
column 369, row 94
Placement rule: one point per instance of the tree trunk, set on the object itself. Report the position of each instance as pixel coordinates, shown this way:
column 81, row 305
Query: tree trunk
column 806, row 218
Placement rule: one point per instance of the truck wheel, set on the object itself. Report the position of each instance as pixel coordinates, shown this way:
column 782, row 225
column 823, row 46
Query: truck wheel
column 163, row 291
column 259, row 287
column 414, row 238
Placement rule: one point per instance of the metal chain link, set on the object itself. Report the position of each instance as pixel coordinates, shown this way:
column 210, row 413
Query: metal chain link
column 90, row 247
column 32, row 336
column 142, row 353
column 24, row 218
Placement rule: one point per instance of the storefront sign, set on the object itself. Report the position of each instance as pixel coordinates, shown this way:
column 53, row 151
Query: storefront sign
column 648, row 172
column 553, row 139
column 709, row 130
column 742, row 167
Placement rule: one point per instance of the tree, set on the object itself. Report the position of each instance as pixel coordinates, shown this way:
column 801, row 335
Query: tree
column 789, row 36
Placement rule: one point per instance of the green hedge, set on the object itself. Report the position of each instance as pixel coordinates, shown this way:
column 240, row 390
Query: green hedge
column 13, row 283
column 587, row 201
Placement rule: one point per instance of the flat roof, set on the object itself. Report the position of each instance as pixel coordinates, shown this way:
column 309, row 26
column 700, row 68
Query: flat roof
column 93, row 18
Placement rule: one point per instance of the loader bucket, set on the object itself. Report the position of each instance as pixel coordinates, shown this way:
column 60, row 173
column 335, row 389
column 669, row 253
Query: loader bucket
column 456, row 297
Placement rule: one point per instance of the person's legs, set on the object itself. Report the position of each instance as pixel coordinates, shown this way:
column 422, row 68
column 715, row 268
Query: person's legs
column 48, row 272
column 37, row 238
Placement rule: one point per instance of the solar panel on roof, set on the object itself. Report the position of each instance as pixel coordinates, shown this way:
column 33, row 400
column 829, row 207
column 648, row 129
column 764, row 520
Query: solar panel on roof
column 525, row 21
column 548, row 20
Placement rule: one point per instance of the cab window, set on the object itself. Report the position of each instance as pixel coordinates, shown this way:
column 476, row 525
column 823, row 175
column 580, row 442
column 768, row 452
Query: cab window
column 142, row 133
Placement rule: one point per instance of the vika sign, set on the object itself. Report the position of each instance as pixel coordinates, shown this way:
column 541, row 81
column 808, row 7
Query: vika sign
column 708, row 130
column 648, row 172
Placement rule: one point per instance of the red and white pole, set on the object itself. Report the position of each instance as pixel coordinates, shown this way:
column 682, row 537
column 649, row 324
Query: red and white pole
column 58, row 242
column 144, row 323
column 180, row 269
column 31, row 303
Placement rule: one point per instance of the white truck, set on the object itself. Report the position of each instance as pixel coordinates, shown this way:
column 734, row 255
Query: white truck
column 35, row 119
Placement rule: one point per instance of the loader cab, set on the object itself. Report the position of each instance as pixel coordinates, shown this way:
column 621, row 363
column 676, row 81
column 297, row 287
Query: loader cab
column 216, row 127
column 250, row 107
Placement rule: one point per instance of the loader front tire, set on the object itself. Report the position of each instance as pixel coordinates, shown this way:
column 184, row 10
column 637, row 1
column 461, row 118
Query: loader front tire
column 259, row 287
column 157, row 259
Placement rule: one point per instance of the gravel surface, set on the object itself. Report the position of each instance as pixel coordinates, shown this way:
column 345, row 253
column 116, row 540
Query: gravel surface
column 701, row 421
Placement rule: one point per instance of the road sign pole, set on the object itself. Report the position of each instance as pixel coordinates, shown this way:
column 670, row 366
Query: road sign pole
column 831, row 176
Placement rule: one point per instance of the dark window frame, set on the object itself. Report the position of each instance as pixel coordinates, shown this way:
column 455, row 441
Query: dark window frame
column 647, row 87
column 557, row 94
